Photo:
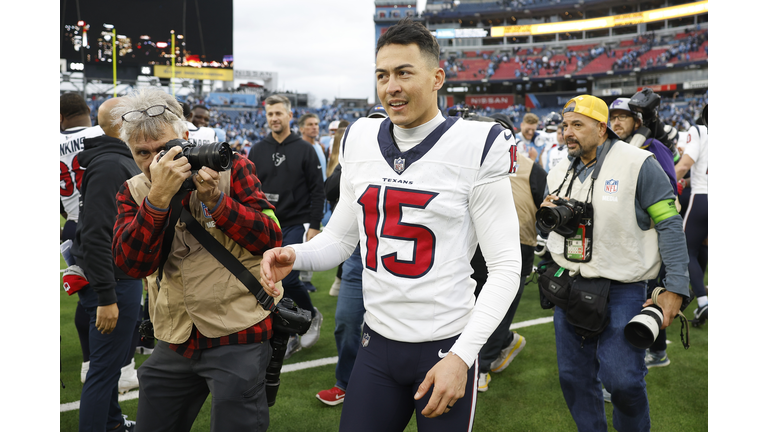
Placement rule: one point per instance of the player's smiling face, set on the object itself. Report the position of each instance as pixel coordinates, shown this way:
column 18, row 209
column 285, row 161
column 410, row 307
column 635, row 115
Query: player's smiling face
column 407, row 84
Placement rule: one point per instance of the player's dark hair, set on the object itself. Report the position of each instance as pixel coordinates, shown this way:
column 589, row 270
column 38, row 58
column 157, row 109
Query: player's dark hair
column 72, row 105
column 199, row 106
column 406, row 32
column 185, row 110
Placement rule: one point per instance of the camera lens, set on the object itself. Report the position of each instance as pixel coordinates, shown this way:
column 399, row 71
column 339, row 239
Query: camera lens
column 643, row 329
column 217, row 156
column 550, row 218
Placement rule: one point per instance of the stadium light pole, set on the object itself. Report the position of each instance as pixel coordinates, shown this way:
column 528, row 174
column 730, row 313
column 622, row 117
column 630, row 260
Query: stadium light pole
column 114, row 62
column 173, row 62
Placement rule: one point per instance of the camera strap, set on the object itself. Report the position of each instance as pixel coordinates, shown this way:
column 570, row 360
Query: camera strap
column 684, row 330
column 170, row 231
column 228, row 260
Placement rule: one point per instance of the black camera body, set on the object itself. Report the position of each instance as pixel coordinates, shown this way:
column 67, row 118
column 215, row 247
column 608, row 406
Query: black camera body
column 287, row 319
column 217, row 156
column 646, row 102
column 563, row 219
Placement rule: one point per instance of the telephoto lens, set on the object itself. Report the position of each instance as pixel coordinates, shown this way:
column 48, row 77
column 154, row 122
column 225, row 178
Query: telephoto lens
column 643, row 329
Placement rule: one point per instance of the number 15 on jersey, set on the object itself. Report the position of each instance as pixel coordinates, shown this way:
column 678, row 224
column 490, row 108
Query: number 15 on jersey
column 386, row 222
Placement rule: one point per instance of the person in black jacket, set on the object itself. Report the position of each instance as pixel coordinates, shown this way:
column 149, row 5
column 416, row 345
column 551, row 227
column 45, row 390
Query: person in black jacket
column 111, row 298
column 292, row 180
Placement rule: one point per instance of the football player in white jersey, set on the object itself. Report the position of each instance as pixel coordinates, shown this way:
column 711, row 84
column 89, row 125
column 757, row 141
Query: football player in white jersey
column 198, row 134
column 695, row 221
column 553, row 155
column 75, row 125
column 549, row 134
column 418, row 192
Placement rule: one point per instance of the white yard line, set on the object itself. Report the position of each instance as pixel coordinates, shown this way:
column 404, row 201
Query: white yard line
column 298, row 366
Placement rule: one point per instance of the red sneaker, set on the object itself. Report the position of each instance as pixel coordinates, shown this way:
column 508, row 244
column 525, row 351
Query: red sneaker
column 331, row 397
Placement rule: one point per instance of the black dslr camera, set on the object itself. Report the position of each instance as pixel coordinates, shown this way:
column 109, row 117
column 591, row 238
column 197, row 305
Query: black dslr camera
column 563, row 219
column 217, row 156
column 646, row 102
column 287, row 319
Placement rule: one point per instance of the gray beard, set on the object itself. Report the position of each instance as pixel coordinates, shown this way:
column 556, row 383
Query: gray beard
column 575, row 153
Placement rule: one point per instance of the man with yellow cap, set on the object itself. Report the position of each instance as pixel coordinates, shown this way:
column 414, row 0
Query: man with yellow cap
column 625, row 225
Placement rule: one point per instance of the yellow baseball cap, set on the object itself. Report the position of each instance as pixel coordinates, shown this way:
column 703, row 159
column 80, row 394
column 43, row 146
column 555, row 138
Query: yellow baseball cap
column 592, row 107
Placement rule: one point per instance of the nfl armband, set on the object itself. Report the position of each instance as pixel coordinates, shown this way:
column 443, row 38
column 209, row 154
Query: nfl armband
column 663, row 209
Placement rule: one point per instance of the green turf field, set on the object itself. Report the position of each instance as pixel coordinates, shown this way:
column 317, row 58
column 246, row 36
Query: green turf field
column 525, row 397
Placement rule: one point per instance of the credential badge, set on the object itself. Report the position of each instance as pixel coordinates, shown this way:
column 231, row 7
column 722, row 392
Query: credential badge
column 611, row 186
column 399, row 165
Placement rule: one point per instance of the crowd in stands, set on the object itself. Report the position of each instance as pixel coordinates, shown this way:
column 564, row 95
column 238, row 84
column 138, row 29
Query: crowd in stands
column 679, row 50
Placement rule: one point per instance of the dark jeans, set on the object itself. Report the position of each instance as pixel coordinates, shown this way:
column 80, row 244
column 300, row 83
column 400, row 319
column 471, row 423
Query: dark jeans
column 608, row 358
column 293, row 286
column 349, row 317
column 99, row 409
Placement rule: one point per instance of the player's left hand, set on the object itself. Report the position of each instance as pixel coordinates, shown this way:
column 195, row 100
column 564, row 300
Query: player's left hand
column 311, row 233
column 669, row 303
column 207, row 184
column 449, row 377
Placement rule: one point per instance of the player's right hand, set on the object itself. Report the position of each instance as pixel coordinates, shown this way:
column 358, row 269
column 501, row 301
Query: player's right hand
column 275, row 265
column 167, row 175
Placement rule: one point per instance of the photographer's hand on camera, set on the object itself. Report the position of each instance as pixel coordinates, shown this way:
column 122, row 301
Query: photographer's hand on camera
column 207, row 184
column 548, row 201
column 275, row 265
column 670, row 303
column 167, row 175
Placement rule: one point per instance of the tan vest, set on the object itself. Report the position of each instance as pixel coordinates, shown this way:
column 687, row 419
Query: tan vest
column 526, row 209
column 196, row 288
column 621, row 250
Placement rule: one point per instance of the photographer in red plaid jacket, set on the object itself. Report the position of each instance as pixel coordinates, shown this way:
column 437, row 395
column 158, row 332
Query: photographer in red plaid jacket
column 213, row 336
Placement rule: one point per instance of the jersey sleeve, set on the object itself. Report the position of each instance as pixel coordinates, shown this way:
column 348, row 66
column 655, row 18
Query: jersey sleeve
column 693, row 147
column 499, row 155
column 337, row 240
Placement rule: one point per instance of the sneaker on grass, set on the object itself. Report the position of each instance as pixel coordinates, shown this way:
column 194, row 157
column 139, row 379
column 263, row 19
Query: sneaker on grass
column 128, row 425
column 313, row 334
column 606, row 395
column 84, row 371
column 331, row 397
column 656, row 359
column 508, row 353
column 335, row 287
column 482, row 381
column 129, row 379
column 700, row 315
column 293, row 346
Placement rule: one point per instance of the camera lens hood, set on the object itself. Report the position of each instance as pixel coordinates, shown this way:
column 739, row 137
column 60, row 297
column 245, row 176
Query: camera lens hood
column 644, row 327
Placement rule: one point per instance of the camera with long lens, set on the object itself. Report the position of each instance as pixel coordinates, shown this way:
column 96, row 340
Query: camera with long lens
column 643, row 329
column 563, row 219
column 287, row 319
column 217, row 156
column 646, row 102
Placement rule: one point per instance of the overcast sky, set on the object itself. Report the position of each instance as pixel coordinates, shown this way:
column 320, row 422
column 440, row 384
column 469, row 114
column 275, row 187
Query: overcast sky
column 324, row 48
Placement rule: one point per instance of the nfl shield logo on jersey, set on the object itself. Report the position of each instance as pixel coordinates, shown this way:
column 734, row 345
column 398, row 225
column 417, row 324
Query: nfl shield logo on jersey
column 611, row 186
column 366, row 339
column 399, row 165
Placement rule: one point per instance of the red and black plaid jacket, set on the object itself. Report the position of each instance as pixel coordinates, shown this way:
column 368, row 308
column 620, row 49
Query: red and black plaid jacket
column 138, row 235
